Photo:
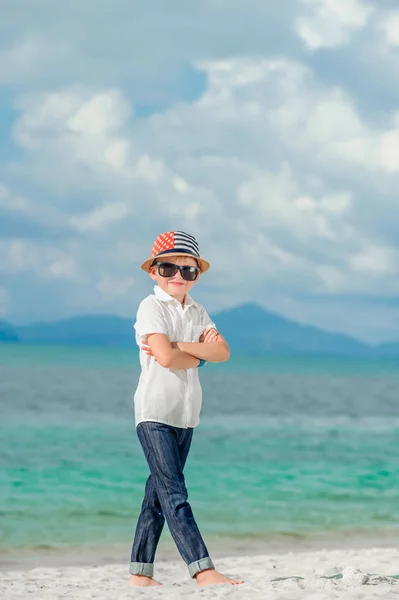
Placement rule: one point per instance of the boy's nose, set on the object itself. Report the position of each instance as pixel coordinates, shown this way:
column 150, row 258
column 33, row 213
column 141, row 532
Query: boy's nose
column 178, row 276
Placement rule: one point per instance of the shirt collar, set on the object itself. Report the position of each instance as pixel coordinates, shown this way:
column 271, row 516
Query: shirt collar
column 164, row 297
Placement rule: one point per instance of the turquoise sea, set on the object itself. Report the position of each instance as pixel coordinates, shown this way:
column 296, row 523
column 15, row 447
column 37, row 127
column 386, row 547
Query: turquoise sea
column 288, row 449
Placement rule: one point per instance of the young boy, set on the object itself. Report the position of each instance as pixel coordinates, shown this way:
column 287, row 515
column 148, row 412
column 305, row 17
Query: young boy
column 176, row 336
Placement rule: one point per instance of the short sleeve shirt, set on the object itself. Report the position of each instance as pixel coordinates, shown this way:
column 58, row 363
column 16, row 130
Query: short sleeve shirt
column 169, row 396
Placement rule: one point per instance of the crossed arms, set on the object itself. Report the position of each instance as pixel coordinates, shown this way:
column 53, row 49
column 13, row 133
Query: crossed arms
column 212, row 347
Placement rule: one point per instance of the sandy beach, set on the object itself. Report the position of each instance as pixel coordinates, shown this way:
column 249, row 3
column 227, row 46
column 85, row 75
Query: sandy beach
column 327, row 574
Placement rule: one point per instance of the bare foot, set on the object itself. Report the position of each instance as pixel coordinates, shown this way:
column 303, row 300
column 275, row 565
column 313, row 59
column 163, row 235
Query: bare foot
column 142, row 581
column 212, row 577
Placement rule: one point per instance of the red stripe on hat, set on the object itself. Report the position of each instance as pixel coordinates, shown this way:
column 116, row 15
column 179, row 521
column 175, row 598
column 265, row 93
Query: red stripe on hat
column 165, row 241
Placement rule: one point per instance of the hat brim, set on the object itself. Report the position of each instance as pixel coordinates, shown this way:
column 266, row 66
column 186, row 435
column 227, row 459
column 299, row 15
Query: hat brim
column 204, row 265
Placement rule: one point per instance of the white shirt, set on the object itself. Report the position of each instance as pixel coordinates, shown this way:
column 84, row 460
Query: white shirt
column 169, row 396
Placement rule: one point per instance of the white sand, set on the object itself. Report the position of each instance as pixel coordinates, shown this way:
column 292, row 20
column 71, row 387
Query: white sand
column 326, row 574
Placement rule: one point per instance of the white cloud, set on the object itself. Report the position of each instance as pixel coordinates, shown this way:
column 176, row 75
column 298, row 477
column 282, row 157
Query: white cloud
column 100, row 114
column 389, row 149
column 278, row 201
column 330, row 23
column 87, row 124
column 12, row 203
column 389, row 25
column 322, row 240
column 167, row 172
column 101, row 218
column 45, row 261
column 378, row 260
column 286, row 100
column 111, row 287
column 19, row 256
column 63, row 266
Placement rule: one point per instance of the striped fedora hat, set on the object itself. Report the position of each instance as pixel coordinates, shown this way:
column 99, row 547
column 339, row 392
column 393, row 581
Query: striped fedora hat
column 175, row 243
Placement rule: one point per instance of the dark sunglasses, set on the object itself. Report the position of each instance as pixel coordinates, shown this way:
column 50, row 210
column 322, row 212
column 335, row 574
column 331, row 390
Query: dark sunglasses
column 188, row 273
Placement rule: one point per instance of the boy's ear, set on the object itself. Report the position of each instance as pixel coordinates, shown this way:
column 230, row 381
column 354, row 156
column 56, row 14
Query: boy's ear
column 152, row 274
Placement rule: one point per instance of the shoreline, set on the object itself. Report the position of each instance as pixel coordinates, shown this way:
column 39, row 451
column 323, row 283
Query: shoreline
column 21, row 559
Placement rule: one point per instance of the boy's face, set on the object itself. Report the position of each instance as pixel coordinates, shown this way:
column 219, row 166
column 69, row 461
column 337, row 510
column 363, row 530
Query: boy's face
column 175, row 286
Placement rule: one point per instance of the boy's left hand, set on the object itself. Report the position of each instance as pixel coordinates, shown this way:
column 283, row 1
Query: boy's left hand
column 209, row 336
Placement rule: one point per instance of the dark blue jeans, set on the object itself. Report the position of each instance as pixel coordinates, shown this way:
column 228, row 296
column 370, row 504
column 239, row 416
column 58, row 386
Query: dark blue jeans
column 166, row 449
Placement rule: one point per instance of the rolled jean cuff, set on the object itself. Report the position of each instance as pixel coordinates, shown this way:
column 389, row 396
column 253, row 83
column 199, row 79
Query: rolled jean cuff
column 200, row 565
column 146, row 569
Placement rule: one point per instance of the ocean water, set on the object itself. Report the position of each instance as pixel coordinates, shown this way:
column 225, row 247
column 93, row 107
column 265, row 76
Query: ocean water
column 287, row 449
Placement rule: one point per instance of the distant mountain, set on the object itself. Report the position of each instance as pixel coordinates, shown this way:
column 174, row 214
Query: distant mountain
column 91, row 330
column 249, row 329
column 7, row 333
column 257, row 331
column 389, row 349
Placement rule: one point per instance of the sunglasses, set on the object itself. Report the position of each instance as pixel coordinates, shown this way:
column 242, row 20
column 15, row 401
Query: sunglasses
column 188, row 273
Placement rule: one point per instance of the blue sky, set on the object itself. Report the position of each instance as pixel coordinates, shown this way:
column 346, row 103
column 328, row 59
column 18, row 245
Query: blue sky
column 269, row 130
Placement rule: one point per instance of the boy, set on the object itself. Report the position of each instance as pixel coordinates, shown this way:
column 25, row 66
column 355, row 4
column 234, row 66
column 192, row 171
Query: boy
column 176, row 337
